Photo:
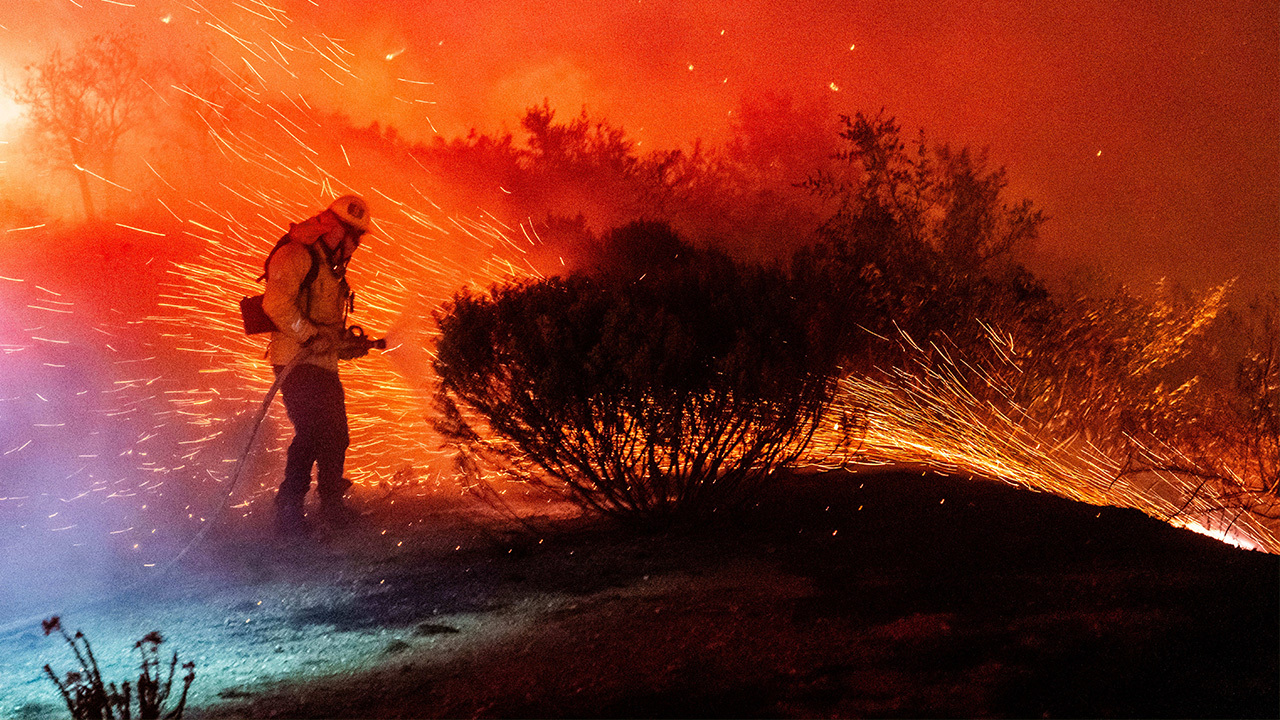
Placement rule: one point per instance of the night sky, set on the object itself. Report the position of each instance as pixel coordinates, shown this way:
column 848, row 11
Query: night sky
column 1147, row 131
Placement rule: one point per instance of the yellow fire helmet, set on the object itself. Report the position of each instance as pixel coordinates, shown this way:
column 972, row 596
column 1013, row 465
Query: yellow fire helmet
column 352, row 210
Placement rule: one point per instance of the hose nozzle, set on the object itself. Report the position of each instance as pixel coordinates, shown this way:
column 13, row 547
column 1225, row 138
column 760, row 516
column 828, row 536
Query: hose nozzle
column 356, row 336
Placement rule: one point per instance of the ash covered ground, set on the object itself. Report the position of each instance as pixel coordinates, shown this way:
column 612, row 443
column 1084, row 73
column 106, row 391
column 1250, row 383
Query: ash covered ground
column 886, row 594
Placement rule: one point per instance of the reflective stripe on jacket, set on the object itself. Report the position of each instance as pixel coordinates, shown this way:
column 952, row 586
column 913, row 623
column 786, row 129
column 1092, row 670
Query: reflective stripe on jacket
column 300, row 316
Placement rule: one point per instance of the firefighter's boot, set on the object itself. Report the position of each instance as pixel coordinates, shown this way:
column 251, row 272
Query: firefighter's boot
column 290, row 521
column 334, row 511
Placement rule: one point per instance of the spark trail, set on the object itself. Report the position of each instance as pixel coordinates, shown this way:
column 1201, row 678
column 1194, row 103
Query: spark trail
column 127, row 391
column 122, row 413
column 996, row 416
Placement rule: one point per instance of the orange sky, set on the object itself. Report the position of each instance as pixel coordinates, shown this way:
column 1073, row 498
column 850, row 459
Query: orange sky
column 1148, row 133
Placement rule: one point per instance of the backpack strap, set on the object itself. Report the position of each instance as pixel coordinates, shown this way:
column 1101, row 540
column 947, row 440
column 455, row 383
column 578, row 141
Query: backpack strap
column 304, row 290
column 310, row 277
column 311, row 273
column 266, row 264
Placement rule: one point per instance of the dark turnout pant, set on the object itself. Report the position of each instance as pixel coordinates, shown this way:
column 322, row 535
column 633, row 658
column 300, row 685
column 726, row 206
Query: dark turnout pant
column 314, row 401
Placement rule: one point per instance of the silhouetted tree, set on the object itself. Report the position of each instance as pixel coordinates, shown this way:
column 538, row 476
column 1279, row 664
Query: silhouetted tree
column 85, row 102
column 741, row 199
column 579, row 147
column 916, row 238
column 666, row 382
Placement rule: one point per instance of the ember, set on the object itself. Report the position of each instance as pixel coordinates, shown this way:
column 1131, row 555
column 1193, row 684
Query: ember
column 127, row 383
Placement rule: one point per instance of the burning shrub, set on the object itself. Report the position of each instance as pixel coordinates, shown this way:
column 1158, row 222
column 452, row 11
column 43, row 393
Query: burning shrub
column 88, row 697
column 1105, row 368
column 964, row 359
column 1258, row 405
column 667, row 383
column 1224, row 435
column 1112, row 399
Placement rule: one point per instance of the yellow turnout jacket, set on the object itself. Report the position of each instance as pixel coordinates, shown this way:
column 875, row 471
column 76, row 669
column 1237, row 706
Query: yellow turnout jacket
column 302, row 315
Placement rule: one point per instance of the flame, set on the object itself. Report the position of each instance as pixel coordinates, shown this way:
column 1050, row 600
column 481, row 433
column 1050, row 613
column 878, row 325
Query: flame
column 147, row 412
column 962, row 415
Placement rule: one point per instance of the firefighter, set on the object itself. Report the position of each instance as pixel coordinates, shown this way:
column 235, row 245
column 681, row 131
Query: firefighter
column 307, row 297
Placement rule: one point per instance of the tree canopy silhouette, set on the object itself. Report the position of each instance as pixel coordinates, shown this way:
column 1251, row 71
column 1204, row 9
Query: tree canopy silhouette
column 84, row 102
column 917, row 238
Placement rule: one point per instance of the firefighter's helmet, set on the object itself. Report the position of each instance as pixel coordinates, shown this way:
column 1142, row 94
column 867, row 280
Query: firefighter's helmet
column 353, row 211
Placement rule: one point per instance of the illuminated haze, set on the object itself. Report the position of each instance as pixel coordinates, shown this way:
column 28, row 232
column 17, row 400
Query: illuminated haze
column 1148, row 133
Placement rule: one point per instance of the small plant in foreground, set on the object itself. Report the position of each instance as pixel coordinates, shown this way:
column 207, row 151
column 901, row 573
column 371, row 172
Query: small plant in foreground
column 89, row 698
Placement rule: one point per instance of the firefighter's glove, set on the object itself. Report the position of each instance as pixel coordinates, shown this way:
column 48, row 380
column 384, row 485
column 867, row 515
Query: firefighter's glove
column 324, row 342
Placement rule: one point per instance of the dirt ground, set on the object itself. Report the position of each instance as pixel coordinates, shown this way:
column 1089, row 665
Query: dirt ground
column 871, row 595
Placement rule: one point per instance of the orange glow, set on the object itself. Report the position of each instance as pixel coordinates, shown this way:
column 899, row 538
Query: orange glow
column 258, row 134
column 10, row 113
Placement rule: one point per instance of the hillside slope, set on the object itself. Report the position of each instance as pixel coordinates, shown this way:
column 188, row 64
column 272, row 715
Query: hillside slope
column 882, row 595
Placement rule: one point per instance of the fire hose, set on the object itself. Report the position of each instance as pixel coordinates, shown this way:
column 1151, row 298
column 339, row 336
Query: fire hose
column 354, row 337
column 243, row 458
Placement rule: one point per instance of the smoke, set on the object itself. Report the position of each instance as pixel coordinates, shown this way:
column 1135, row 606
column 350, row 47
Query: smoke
column 1132, row 145
column 81, row 497
column 125, row 382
